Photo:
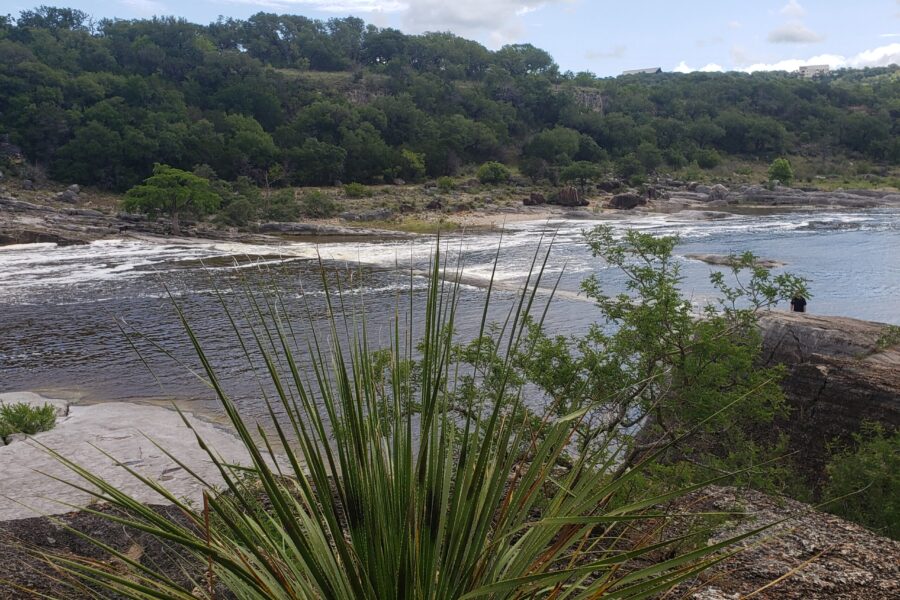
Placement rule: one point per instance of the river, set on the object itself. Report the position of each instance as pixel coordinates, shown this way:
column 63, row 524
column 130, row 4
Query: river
column 59, row 305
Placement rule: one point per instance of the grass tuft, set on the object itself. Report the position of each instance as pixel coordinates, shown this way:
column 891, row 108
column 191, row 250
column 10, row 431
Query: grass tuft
column 24, row 418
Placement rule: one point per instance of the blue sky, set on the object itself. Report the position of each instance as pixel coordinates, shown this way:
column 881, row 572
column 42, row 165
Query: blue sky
column 600, row 35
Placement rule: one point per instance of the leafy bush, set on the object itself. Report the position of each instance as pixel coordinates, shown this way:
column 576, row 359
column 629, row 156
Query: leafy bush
column 318, row 205
column 238, row 212
column 282, row 206
column 708, row 159
column 865, row 481
column 780, row 170
column 24, row 418
column 493, row 172
column 445, row 184
column 357, row 190
column 392, row 485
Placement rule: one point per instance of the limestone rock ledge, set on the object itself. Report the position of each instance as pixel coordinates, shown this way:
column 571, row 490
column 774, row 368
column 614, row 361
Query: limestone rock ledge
column 127, row 432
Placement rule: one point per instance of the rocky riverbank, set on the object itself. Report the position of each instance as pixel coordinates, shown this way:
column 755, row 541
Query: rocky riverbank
column 69, row 216
column 841, row 373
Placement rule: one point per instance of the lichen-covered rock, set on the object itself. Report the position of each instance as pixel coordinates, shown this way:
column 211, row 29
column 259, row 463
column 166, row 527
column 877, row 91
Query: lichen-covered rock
column 819, row 556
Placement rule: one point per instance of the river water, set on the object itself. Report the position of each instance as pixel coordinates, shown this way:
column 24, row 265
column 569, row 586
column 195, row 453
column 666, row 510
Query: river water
column 59, row 306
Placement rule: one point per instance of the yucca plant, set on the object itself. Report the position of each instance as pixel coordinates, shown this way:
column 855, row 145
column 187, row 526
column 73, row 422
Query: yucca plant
column 374, row 487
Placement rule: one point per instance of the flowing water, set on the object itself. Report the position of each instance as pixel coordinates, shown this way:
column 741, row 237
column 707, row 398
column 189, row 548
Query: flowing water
column 59, row 306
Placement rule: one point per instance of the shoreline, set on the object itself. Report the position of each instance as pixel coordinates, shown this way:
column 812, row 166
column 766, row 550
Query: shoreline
column 413, row 211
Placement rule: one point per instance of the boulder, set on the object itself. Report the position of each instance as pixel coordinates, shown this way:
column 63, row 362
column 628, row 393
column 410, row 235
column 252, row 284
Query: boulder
column 718, row 192
column 535, row 199
column 67, row 196
column 626, row 201
column 27, row 184
column 74, row 188
column 726, row 260
column 399, row 181
column 568, row 196
column 434, row 205
column 609, row 185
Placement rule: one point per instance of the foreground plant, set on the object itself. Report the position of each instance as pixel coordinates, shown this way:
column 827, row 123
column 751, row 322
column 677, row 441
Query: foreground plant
column 24, row 418
column 375, row 487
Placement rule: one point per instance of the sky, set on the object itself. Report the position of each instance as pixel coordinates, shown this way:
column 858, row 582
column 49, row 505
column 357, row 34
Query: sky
column 600, row 36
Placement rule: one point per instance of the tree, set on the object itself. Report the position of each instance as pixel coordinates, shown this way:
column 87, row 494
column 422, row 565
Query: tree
column 556, row 146
column 582, row 172
column 173, row 192
column 675, row 366
column 780, row 170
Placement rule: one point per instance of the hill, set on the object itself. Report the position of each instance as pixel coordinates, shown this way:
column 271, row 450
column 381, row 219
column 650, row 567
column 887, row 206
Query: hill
column 283, row 99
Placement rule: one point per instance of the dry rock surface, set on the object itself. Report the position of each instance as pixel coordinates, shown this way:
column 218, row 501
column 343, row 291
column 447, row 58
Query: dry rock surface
column 819, row 556
column 125, row 431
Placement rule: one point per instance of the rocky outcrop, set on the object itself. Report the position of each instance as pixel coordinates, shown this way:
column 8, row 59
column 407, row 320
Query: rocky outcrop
column 119, row 429
column 811, row 555
column 758, row 195
column 568, row 196
column 727, row 260
column 626, row 201
column 841, row 372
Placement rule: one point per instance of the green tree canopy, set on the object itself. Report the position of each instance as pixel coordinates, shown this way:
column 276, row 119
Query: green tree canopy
column 780, row 170
column 582, row 172
column 173, row 192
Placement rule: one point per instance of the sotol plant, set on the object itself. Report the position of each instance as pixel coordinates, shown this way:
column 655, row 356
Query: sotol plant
column 374, row 487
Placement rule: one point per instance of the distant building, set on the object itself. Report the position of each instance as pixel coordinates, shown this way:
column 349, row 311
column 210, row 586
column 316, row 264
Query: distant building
column 810, row 71
column 652, row 71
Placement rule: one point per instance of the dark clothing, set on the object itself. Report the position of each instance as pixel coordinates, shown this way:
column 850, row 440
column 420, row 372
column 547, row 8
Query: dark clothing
column 798, row 304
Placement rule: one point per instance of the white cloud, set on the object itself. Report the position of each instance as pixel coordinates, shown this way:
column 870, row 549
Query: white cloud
column 793, row 9
column 145, row 7
column 683, row 67
column 735, row 24
column 497, row 21
column 794, row 33
column 876, row 57
column 338, row 6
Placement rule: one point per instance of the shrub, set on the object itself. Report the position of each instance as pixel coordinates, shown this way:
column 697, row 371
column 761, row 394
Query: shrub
column 317, row 205
column 708, row 159
column 780, row 170
column 445, row 184
column 238, row 212
column 493, row 172
column 282, row 206
column 357, row 190
column 24, row 418
column 865, row 481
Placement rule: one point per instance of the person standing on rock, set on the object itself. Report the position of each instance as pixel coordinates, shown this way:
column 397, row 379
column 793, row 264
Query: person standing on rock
column 798, row 304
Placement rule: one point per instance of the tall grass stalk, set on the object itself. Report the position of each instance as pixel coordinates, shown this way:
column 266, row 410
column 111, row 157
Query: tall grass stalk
column 375, row 487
